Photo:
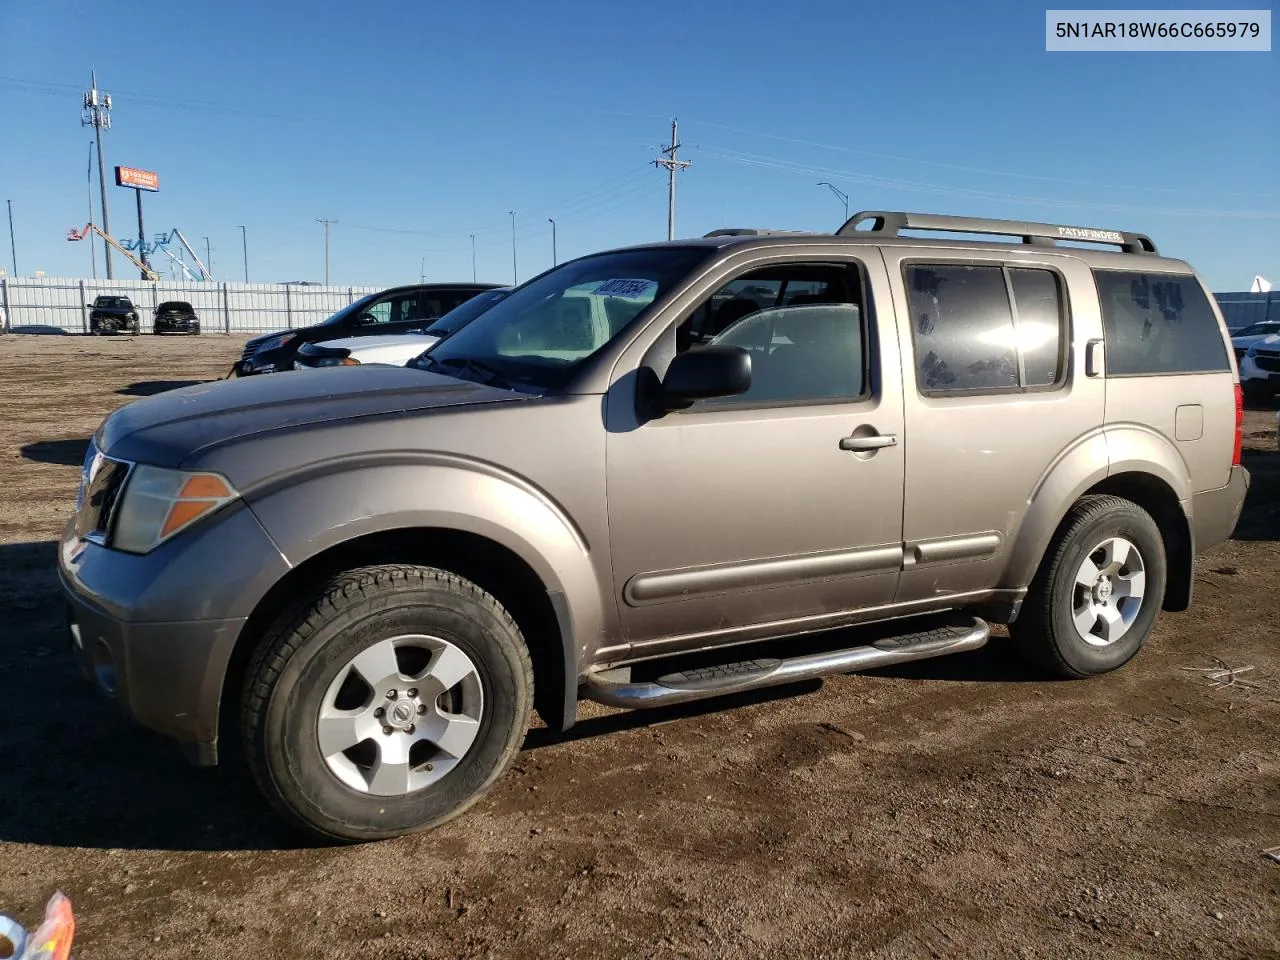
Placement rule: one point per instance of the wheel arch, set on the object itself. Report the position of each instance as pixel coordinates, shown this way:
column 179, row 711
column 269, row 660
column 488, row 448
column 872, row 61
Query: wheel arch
column 539, row 610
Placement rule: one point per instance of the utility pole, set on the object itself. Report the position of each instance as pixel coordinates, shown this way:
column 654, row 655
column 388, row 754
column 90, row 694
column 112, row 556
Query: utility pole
column 244, row 244
column 673, row 166
column 97, row 114
column 514, row 274
column 208, row 256
column 422, row 271
column 844, row 198
column 93, row 254
column 473, row 258
column 554, row 259
column 13, row 247
column 326, row 223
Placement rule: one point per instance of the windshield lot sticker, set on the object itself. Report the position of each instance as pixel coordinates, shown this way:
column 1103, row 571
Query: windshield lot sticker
column 625, row 288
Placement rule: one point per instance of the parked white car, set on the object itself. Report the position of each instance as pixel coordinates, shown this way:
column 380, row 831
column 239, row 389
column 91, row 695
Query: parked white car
column 1243, row 339
column 1260, row 369
column 395, row 349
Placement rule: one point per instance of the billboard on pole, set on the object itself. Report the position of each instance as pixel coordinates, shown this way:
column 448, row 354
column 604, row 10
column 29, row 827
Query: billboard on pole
column 139, row 179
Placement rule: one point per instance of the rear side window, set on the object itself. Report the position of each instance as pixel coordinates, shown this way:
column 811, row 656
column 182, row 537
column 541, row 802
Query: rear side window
column 968, row 337
column 1158, row 323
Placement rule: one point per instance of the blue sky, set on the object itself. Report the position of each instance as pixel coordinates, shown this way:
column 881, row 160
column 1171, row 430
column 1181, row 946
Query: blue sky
column 417, row 124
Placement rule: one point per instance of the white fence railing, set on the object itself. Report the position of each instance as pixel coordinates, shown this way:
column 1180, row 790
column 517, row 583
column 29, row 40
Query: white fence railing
column 44, row 305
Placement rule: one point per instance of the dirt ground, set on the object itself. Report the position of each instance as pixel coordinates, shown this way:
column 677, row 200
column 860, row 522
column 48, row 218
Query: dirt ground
column 960, row 807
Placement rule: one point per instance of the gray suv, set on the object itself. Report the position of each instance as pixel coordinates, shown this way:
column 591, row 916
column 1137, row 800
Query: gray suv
column 643, row 478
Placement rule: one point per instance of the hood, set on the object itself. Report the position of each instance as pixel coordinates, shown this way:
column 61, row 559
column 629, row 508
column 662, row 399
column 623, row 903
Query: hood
column 263, row 338
column 1270, row 341
column 122, row 311
column 419, row 341
column 166, row 429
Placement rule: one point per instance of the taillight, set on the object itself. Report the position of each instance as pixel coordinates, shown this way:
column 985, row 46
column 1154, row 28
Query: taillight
column 1235, row 453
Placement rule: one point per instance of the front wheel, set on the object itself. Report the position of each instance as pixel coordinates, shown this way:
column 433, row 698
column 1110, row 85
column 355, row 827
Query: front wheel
column 387, row 703
column 1098, row 592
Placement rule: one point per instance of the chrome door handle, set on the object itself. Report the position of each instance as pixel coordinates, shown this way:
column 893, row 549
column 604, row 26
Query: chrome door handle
column 876, row 442
column 1092, row 358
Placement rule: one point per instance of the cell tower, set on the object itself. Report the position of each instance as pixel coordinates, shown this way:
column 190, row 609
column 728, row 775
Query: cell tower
column 97, row 114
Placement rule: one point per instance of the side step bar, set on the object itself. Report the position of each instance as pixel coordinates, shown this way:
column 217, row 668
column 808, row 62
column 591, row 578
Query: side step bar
column 615, row 689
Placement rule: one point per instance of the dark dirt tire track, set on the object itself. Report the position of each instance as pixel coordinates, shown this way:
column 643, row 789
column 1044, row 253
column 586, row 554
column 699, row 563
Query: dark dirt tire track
column 958, row 807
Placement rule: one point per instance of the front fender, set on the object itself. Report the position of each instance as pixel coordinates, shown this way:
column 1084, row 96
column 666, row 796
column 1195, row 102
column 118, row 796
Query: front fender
column 313, row 511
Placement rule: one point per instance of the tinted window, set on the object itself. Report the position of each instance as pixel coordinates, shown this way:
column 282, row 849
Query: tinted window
column 1035, row 294
column 962, row 326
column 1158, row 324
column 1259, row 329
column 807, row 348
column 460, row 316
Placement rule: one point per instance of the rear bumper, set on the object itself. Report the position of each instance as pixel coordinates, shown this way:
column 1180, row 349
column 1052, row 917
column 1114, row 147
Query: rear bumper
column 1214, row 513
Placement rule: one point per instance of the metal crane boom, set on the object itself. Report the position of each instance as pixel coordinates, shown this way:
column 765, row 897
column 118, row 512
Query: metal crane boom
column 73, row 234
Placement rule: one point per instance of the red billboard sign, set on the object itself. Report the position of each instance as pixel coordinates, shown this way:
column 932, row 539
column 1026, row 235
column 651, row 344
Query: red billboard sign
column 139, row 179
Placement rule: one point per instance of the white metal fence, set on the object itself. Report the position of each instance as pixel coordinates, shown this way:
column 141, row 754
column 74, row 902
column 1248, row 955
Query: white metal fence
column 44, row 305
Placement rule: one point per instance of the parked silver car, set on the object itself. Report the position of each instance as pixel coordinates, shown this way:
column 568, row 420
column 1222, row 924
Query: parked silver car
column 622, row 478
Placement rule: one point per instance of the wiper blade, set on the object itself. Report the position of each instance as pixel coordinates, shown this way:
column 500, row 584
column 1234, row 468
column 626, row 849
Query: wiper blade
column 489, row 375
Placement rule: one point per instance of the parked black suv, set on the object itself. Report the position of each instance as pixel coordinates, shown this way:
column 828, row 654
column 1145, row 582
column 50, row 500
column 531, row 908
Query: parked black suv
column 175, row 316
column 395, row 310
column 113, row 315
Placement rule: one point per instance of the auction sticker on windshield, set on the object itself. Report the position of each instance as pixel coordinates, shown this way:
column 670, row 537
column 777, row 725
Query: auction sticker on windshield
column 631, row 289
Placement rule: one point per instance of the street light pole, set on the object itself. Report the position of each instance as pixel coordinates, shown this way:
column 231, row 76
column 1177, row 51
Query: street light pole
column 208, row 256
column 515, row 275
column 844, row 197
column 13, row 247
column 244, row 244
column 554, row 259
column 473, row 258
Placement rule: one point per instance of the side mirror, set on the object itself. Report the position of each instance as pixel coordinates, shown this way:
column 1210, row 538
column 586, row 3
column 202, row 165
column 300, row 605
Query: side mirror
column 703, row 373
column 364, row 320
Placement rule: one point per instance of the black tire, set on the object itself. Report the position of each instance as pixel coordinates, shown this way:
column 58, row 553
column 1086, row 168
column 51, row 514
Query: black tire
column 1257, row 391
column 308, row 647
column 1045, row 631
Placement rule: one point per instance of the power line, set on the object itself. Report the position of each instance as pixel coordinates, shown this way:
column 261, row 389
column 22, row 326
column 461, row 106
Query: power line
column 968, row 169
column 673, row 165
column 788, row 166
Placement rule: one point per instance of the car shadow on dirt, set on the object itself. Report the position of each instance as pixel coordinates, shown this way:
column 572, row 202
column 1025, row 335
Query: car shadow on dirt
column 149, row 388
column 1260, row 518
column 63, row 453
column 74, row 772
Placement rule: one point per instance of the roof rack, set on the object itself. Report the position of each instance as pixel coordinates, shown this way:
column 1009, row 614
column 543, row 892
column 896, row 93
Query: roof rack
column 1037, row 234
column 749, row 232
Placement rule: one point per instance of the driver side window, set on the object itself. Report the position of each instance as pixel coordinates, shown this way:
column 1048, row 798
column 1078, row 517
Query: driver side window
column 381, row 311
column 803, row 326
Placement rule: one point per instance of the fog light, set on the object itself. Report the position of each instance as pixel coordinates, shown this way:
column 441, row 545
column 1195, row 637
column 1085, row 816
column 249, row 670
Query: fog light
column 104, row 667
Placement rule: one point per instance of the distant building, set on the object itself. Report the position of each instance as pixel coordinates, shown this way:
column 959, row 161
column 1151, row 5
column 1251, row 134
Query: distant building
column 1239, row 310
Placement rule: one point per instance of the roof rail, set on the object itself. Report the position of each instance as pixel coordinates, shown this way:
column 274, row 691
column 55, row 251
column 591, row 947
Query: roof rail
column 748, row 232
column 1038, row 234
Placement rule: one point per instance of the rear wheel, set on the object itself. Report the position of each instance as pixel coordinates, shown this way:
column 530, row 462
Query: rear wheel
column 387, row 703
column 1098, row 592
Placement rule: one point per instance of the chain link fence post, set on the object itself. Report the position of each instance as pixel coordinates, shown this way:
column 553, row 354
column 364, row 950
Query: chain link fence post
column 226, row 311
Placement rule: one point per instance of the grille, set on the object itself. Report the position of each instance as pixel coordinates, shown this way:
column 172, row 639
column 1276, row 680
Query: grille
column 1268, row 361
column 249, row 351
column 101, row 480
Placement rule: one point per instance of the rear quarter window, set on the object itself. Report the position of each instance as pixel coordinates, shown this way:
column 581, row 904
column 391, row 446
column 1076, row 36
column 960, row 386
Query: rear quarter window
column 1158, row 323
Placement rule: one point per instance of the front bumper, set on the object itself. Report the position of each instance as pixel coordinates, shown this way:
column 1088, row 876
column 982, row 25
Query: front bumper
column 155, row 633
column 1252, row 368
column 1215, row 513
column 176, row 326
column 112, row 324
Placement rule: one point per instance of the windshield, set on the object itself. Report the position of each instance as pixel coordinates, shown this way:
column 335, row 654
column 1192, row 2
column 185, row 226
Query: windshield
column 1260, row 329
column 541, row 333
column 464, row 313
column 113, row 302
column 350, row 309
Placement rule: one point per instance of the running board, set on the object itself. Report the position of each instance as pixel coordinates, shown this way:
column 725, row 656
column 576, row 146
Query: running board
column 615, row 689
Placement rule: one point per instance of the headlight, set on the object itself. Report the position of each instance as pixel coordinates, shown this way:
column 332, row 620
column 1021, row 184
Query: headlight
column 337, row 362
column 275, row 342
column 160, row 503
